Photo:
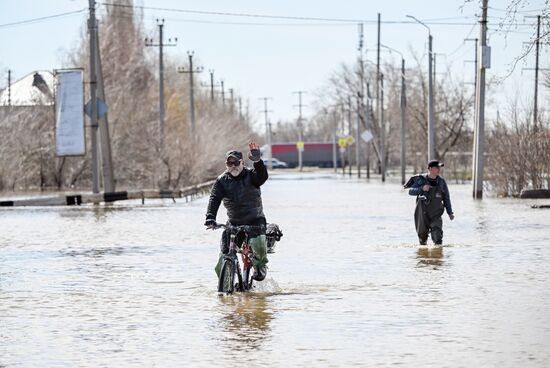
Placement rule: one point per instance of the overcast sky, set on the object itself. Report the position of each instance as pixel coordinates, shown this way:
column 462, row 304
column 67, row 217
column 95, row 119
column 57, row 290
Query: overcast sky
column 260, row 56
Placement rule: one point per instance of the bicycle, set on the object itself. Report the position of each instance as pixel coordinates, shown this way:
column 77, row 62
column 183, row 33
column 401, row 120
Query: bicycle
column 230, row 265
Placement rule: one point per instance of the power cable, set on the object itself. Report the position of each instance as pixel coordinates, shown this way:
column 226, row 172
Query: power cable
column 35, row 20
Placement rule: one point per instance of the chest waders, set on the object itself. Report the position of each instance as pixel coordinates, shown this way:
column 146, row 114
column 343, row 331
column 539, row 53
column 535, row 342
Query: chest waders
column 427, row 216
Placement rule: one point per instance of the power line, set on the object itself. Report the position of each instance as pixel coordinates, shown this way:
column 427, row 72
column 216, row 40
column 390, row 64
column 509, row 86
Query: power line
column 517, row 11
column 187, row 20
column 35, row 20
column 286, row 17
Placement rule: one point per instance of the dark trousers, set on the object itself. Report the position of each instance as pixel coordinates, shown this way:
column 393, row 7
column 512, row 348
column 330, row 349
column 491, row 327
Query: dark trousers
column 427, row 218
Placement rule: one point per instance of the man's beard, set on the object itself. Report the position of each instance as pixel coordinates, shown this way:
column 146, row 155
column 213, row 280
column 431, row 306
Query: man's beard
column 235, row 171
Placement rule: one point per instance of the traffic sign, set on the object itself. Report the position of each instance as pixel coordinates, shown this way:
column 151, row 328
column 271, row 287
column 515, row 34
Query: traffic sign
column 366, row 136
column 342, row 142
column 300, row 146
column 101, row 108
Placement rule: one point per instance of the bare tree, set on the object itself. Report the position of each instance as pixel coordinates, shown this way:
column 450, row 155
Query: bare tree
column 519, row 153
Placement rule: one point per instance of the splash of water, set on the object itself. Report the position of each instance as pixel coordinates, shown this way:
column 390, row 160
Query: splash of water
column 267, row 286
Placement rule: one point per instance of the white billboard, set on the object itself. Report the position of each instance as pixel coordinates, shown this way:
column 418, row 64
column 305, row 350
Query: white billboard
column 69, row 127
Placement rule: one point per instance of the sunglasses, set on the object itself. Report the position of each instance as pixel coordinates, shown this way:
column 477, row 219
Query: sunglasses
column 232, row 163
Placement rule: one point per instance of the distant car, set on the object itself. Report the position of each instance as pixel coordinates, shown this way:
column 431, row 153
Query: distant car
column 276, row 164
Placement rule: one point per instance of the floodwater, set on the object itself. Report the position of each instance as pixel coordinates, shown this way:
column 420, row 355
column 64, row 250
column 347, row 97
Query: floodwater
column 134, row 286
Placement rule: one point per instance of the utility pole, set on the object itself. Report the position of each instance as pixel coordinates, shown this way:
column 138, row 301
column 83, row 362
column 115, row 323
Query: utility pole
column 382, row 130
column 349, row 135
column 357, row 135
column 240, row 108
column 403, row 103
column 368, row 103
column 161, row 44
column 223, row 92
column 212, row 85
column 268, row 131
column 300, row 129
column 103, row 126
column 231, row 100
column 92, row 29
column 9, row 87
column 536, row 69
column 378, row 103
column 431, row 128
column 480, row 106
column 535, row 102
column 474, row 140
column 343, row 122
column 431, row 131
column 191, row 70
column 360, row 101
column 334, row 142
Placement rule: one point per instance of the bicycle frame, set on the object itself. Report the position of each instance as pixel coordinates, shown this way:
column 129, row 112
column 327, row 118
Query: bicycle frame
column 244, row 281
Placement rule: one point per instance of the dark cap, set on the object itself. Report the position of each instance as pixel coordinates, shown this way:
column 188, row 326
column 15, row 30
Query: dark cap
column 435, row 163
column 236, row 154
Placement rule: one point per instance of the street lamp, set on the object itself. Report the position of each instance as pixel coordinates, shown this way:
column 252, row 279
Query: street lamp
column 431, row 133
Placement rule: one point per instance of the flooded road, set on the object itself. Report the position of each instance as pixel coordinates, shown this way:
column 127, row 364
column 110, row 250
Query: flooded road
column 134, row 286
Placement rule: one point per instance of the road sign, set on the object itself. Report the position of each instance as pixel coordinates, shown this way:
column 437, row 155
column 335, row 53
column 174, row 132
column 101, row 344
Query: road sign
column 342, row 142
column 366, row 136
column 350, row 140
column 101, row 108
column 300, row 146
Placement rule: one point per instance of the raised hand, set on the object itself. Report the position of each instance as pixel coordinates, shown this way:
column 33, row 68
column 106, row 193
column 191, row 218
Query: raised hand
column 254, row 153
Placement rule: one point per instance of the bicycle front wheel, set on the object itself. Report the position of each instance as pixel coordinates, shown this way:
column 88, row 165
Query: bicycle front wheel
column 226, row 282
column 247, row 279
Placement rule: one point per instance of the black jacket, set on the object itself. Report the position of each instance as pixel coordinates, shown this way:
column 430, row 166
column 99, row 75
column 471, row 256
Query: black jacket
column 241, row 196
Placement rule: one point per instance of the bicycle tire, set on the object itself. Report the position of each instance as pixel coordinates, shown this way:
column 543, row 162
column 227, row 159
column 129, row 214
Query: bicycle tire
column 247, row 280
column 226, row 282
column 239, row 285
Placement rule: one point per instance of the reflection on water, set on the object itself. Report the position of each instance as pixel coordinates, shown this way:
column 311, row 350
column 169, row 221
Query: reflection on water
column 246, row 320
column 428, row 256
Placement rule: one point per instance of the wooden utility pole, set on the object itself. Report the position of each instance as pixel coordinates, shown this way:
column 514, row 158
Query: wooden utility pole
column 403, row 105
column 349, row 134
column 103, row 122
column 9, row 87
column 535, row 98
column 382, row 131
column 268, row 131
column 92, row 29
column 300, row 128
column 161, row 44
column 360, row 101
column 191, row 70
column 479, row 136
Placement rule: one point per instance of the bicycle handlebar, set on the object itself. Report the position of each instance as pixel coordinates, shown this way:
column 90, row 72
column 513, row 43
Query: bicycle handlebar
column 236, row 229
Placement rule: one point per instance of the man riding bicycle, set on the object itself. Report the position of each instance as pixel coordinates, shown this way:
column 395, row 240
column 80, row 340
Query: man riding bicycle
column 239, row 188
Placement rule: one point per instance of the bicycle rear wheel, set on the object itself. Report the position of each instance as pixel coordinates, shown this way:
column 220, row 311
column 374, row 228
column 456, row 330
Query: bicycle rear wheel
column 226, row 282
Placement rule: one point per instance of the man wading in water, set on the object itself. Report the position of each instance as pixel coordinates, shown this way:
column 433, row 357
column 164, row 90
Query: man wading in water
column 432, row 198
